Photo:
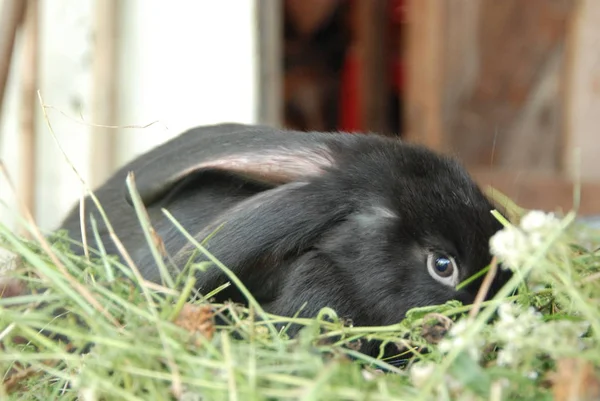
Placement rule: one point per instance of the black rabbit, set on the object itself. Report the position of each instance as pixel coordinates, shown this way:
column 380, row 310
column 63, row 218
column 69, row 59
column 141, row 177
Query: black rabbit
column 365, row 224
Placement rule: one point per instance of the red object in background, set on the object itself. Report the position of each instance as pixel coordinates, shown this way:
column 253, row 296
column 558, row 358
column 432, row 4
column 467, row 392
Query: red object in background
column 397, row 20
column 350, row 118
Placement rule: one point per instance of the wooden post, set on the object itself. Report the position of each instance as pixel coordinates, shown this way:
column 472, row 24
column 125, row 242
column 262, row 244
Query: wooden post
column 539, row 190
column 581, row 136
column 424, row 51
column 104, row 104
column 270, row 65
column 29, row 104
column 11, row 16
column 461, row 92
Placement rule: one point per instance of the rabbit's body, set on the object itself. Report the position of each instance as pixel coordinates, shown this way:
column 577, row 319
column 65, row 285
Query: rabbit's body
column 364, row 224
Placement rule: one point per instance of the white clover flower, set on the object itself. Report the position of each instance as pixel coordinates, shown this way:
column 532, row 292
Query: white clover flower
column 369, row 375
column 455, row 338
column 420, row 372
column 510, row 245
column 452, row 338
column 507, row 312
column 537, row 220
column 507, row 356
column 559, row 335
column 513, row 316
column 458, row 328
column 514, row 323
column 521, row 332
column 88, row 394
column 514, row 244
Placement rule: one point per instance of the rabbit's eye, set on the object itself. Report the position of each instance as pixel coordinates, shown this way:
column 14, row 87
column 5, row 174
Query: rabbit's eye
column 443, row 268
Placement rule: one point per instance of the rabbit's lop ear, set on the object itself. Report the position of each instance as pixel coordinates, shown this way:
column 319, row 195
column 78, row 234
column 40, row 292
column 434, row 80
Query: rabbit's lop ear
column 267, row 229
column 261, row 154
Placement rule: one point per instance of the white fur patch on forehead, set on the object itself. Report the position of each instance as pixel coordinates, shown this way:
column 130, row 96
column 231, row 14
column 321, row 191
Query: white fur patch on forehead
column 383, row 212
column 375, row 216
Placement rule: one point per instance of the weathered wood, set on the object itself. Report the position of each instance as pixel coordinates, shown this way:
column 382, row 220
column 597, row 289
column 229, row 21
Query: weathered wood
column 515, row 108
column 460, row 62
column 29, row 105
column 105, row 96
column 540, row 190
column 581, row 150
column 424, row 83
column 485, row 79
column 270, row 60
column 11, row 15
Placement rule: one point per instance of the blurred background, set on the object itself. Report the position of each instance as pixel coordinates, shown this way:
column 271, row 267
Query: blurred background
column 511, row 87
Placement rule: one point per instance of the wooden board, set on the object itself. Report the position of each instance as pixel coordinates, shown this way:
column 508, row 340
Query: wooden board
column 582, row 146
column 423, row 49
column 11, row 16
column 502, row 85
column 486, row 77
column 270, row 74
column 105, row 94
column 543, row 191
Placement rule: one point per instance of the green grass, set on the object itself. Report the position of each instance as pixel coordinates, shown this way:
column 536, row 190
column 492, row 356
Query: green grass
column 141, row 354
column 142, row 351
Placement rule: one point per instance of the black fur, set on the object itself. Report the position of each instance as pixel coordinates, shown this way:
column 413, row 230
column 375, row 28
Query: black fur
column 346, row 221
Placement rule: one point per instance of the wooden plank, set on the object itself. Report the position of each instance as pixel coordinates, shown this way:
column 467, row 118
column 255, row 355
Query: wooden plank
column 11, row 15
column 105, row 96
column 485, row 80
column 515, row 109
column 269, row 26
column 424, row 91
column 540, row 190
column 372, row 52
column 460, row 59
column 29, row 106
column 582, row 140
